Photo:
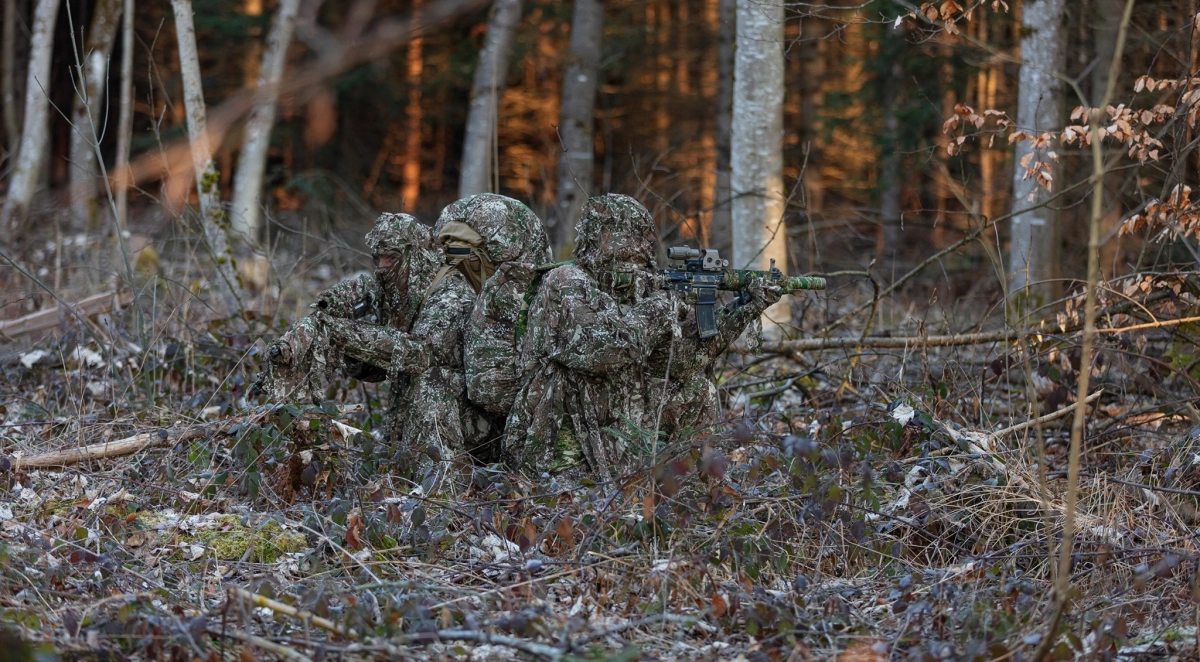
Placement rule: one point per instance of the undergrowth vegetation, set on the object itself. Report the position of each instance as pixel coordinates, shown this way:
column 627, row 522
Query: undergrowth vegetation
column 868, row 503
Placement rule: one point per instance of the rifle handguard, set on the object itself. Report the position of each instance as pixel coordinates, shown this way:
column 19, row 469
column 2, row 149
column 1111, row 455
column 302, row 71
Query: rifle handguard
column 703, row 273
column 739, row 279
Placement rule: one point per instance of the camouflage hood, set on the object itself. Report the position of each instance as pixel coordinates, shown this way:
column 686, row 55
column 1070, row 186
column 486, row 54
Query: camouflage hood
column 612, row 229
column 404, row 286
column 511, row 232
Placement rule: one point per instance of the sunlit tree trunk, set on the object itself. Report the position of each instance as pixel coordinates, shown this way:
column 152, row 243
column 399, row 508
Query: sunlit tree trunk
column 410, row 178
column 31, row 153
column 88, row 116
column 576, row 117
column 891, row 183
column 252, row 161
column 124, row 137
column 722, row 212
column 479, row 143
column 659, row 23
column 756, row 156
column 986, row 89
column 1034, row 259
column 8, row 80
column 942, row 186
column 212, row 218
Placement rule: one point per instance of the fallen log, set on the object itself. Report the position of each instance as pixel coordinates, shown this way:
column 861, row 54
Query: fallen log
column 955, row 340
column 52, row 317
column 116, row 448
column 137, row 443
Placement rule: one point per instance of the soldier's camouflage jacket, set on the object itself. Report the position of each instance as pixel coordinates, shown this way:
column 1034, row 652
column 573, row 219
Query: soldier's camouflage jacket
column 611, row 358
column 412, row 330
column 516, row 244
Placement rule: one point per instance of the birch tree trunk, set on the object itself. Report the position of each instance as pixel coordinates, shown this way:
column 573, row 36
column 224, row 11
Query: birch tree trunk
column 479, row 143
column 577, row 117
column 247, row 182
column 124, row 139
column 212, row 218
column 8, row 81
column 125, row 119
column 756, row 156
column 87, row 118
column 722, row 210
column 31, row 153
column 1034, row 258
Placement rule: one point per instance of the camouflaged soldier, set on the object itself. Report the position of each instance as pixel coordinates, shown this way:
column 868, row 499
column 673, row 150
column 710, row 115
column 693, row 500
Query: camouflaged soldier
column 405, row 320
column 600, row 336
column 501, row 243
column 592, row 325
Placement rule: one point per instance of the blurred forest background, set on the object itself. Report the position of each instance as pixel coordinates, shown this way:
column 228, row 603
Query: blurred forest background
column 982, row 441
column 868, row 170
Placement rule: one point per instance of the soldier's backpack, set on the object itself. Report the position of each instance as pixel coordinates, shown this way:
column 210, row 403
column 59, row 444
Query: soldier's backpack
column 499, row 244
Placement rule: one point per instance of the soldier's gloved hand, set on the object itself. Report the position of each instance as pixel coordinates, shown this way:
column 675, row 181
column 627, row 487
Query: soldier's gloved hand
column 279, row 353
column 763, row 293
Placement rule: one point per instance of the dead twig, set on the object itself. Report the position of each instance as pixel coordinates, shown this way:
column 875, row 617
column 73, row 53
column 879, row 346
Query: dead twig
column 1154, row 488
column 1045, row 418
column 265, row 644
column 632, row 625
column 394, row 651
column 288, row 610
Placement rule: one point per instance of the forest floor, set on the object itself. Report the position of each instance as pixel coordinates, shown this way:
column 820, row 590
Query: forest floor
column 887, row 500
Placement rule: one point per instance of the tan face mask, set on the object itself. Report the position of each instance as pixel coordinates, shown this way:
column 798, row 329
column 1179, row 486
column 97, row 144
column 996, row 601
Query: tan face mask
column 464, row 249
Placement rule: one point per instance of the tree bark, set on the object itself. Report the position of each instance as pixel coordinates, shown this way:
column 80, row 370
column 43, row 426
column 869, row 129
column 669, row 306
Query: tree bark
column 756, row 156
column 722, row 211
column 124, row 140
column 213, row 220
column 576, row 117
column 891, row 183
column 252, row 161
column 8, row 72
column 1034, row 258
column 479, row 143
column 31, row 153
column 125, row 119
column 90, row 106
column 1106, row 28
column 410, row 176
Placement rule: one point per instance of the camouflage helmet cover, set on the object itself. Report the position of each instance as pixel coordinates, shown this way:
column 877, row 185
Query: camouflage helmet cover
column 614, row 228
column 398, row 232
column 511, row 231
column 405, row 285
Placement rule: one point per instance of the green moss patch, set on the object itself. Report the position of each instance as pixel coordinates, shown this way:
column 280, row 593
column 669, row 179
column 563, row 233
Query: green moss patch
column 229, row 539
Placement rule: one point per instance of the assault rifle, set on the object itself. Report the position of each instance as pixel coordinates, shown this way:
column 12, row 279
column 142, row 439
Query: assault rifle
column 700, row 272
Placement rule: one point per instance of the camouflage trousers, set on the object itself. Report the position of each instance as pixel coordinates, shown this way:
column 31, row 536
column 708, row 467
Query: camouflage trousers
column 428, row 418
column 565, row 423
column 437, row 431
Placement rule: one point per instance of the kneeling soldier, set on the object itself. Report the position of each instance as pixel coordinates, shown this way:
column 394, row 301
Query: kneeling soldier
column 404, row 322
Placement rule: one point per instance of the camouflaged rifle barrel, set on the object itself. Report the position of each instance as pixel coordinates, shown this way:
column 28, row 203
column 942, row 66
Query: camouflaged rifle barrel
column 739, row 279
column 703, row 272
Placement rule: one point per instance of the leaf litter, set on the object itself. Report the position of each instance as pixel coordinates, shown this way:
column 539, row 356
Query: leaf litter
column 886, row 507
